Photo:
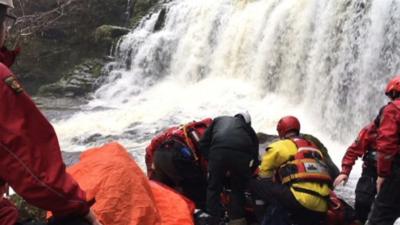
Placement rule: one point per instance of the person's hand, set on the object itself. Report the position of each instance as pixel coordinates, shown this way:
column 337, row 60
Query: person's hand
column 379, row 183
column 342, row 178
column 4, row 189
column 92, row 218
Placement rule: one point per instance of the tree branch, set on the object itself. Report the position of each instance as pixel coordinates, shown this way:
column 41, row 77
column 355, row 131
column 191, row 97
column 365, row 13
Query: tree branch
column 31, row 24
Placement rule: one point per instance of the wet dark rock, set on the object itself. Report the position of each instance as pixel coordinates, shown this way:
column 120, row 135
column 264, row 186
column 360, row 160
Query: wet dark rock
column 53, row 34
column 77, row 83
column 266, row 139
column 138, row 135
column 160, row 20
column 141, row 9
column 135, row 124
column 132, row 132
column 70, row 158
column 108, row 35
column 51, row 54
column 86, row 140
column 94, row 138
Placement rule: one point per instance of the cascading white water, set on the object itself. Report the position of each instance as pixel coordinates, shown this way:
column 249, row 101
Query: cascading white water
column 325, row 61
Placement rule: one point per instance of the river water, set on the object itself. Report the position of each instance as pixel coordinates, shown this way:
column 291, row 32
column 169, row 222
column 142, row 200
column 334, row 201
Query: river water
column 324, row 61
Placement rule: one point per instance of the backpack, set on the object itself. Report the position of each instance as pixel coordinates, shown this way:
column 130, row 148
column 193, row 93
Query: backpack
column 339, row 212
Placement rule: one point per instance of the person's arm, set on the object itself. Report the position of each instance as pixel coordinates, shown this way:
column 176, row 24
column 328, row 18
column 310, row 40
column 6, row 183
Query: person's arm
column 8, row 212
column 254, row 149
column 30, row 156
column 205, row 141
column 355, row 151
column 276, row 154
column 388, row 139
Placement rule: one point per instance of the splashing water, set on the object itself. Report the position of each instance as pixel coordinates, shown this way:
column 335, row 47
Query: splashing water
column 325, row 62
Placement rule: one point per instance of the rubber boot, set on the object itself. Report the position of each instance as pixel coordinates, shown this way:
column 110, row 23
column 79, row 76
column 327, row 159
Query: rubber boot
column 241, row 221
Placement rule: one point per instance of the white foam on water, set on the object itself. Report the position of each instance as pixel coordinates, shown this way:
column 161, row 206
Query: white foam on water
column 326, row 62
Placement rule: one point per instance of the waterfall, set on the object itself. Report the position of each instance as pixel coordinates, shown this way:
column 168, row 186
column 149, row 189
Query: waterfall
column 324, row 61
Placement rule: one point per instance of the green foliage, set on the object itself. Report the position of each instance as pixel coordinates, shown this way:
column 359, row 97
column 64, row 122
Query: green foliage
column 27, row 211
column 51, row 53
column 141, row 9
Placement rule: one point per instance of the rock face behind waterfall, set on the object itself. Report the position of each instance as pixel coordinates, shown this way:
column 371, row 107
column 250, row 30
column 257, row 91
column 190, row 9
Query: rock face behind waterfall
column 67, row 45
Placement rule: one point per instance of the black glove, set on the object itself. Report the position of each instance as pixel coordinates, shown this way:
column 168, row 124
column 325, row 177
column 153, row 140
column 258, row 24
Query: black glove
column 203, row 218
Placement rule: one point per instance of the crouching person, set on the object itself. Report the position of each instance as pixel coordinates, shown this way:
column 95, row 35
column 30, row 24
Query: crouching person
column 173, row 158
column 231, row 146
column 293, row 176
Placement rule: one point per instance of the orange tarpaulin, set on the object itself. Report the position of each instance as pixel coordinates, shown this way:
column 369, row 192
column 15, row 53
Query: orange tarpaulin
column 173, row 208
column 123, row 193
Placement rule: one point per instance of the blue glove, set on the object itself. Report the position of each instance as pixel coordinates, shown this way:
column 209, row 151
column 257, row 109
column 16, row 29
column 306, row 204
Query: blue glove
column 187, row 154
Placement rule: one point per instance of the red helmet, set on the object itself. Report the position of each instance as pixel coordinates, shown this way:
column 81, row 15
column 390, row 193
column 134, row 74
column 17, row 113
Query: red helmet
column 393, row 86
column 287, row 124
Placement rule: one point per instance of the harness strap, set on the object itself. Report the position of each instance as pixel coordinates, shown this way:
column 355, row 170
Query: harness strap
column 310, row 192
column 189, row 142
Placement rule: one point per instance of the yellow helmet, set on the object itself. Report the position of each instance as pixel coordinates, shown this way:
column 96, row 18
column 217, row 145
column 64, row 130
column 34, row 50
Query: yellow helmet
column 8, row 3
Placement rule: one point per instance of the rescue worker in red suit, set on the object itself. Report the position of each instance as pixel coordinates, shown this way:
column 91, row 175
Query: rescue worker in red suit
column 230, row 145
column 386, row 208
column 30, row 156
column 363, row 147
column 173, row 158
column 293, row 176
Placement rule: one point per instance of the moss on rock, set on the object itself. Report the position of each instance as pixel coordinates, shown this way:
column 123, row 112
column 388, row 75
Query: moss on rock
column 48, row 55
column 140, row 10
column 78, row 82
column 108, row 35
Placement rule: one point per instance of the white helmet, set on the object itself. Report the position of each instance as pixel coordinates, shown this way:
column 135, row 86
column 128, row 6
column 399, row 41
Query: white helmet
column 246, row 116
column 8, row 3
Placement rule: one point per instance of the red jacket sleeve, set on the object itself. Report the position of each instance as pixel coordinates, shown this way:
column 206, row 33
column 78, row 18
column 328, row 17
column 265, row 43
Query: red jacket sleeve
column 8, row 212
column 355, row 151
column 388, row 138
column 365, row 138
column 30, row 156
